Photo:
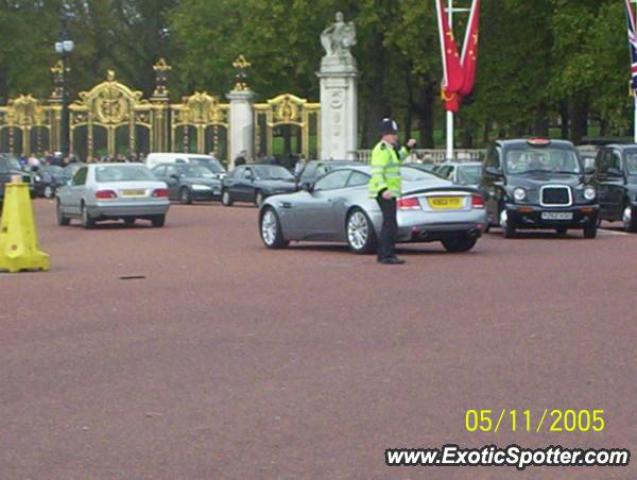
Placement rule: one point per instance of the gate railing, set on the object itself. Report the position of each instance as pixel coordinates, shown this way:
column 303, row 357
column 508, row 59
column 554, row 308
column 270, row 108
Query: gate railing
column 428, row 155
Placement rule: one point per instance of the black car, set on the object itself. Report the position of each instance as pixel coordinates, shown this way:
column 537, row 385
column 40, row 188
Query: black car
column 188, row 182
column 615, row 178
column 10, row 167
column 538, row 183
column 315, row 169
column 47, row 179
column 210, row 163
column 254, row 183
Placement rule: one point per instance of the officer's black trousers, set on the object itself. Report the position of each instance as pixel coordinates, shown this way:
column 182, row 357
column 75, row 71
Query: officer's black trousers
column 387, row 239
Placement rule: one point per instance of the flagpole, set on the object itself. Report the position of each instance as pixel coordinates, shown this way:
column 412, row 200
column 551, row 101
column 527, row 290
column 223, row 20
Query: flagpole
column 449, row 113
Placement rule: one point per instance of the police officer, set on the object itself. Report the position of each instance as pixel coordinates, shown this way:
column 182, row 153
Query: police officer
column 385, row 186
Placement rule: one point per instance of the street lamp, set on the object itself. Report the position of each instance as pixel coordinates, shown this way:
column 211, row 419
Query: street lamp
column 63, row 47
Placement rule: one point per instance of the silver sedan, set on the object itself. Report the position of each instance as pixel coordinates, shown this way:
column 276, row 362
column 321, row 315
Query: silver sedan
column 338, row 209
column 113, row 191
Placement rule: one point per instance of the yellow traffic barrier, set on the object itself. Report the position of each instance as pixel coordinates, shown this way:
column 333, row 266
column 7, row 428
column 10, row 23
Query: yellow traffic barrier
column 19, row 246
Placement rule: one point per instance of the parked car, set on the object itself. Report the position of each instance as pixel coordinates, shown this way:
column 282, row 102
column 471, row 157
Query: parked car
column 207, row 161
column 10, row 167
column 47, row 179
column 461, row 173
column 70, row 169
column 424, row 166
column 338, row 209
column 615, row 178
column 315, row 169
column 188, row 182
column 538, row 183
column 111, row 191
column 256, row 182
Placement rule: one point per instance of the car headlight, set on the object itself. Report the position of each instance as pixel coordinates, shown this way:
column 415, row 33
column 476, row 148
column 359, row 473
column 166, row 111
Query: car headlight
column 519, row 194
column 200, row 187
column 590, row 193
column 38, row 178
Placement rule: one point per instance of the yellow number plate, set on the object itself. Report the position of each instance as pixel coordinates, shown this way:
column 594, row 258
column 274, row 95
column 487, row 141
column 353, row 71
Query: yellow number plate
column 134, row 193
column 446, row 203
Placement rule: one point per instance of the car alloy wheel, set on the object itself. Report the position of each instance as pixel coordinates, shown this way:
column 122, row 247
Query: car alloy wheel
column 226, row 199
column 357, row 230
column 258, row 200
column 630, row 222
column 48, row 192
column 271, row 230
column 507, row 229
column 185, row 197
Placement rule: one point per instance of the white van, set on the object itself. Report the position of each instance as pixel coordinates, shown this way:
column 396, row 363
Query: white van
column 207, row 161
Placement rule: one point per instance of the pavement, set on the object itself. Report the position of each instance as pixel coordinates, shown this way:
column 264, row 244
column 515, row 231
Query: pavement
column 192, row 352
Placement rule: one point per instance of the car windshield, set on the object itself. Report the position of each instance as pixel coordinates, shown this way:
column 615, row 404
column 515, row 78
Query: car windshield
column 195, row 171
column 211, row 164
column 469, row 174
column 412, row 174
column 8, row 163
column 128, row 173
column 272, row 172
column 631, row 162
column 551, row 160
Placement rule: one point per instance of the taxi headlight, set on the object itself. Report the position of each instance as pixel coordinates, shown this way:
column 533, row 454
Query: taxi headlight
column 590, row 193
column 200, row 187
column 519, row 194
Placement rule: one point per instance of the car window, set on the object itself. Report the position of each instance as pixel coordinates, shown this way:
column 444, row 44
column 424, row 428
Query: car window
column 631, row 162
column 528, row 159
column 247, row 173
column 357, row 179
column 413, row 174
column 80, row 176
column 159, row 171
column 123, row 173
column 272, row 172
column 333, row 180
column 170, row 170
column 469, row 174
column 309, row 172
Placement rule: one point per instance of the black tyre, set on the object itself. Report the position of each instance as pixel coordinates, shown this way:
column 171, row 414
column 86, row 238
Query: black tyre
column 270, row 229
column 508, row 229
column 460, row 243
column 158, row 221
column 360, row 233
column 629, row 219
column 62, row 220
column 128, row 221
column 226, row 198
column 185, row 197
column 87, row 220
column 590, row 231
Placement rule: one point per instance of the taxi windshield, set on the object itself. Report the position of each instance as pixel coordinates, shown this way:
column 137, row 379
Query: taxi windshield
column 551, row 160
column 631, row 162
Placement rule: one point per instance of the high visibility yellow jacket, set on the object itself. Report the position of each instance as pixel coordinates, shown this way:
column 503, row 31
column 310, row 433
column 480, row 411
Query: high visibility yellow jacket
column 385, row 165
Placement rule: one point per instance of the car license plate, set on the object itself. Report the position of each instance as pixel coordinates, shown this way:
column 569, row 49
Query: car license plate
column 446, row 203
column 139, row 192
column 557, row 215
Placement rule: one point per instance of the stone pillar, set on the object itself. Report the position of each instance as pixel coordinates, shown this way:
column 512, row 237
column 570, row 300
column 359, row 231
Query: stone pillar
column 241, row 121
column 339, row 111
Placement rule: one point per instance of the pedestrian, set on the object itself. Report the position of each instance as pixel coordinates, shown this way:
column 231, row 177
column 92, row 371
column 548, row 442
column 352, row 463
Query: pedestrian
column 385, row 186
column 241, row 158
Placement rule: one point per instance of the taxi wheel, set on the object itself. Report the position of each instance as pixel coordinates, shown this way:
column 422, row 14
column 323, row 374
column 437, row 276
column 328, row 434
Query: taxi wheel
column 590, row 231
column 226, row 199
column 158, row 221
column 184, row 196
column 508, row 230
column 87, row 220
column 629, row 218
column 460, row 243
column 360, row 233
column 62, row 220
column 270, row 228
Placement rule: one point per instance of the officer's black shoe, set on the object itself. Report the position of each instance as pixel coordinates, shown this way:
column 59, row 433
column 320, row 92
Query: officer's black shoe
column 391, row 261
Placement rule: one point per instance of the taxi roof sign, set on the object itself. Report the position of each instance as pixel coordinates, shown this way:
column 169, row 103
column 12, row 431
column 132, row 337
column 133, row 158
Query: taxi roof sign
column 539, row 142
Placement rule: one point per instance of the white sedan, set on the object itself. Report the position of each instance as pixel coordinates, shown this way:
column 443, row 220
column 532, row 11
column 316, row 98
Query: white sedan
column 112, row 191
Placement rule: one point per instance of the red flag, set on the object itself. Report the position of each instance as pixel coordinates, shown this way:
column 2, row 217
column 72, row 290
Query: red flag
column 453, row 74
column 469, row 59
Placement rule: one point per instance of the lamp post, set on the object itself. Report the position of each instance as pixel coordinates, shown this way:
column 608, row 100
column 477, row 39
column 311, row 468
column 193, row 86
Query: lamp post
column 63, row 47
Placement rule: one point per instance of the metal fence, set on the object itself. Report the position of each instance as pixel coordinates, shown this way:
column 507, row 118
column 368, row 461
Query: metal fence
column 428, row 156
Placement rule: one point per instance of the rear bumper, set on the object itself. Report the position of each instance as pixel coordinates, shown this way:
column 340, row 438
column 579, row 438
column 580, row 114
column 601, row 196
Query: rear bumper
column 430, row 227
column 530, row 216
column 118, row 210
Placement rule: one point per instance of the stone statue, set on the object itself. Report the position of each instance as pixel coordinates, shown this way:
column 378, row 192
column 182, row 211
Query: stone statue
column 339, row 38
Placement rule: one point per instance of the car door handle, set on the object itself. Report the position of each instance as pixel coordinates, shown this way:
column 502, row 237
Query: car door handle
column 286, row 205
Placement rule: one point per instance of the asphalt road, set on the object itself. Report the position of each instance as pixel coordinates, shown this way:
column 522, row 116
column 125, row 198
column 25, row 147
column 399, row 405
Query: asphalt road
column 229, row 361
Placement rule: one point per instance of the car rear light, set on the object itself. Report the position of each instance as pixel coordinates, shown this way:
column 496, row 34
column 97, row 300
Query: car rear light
column 410, row 203
column 477, row 201
column 160, row 193
column 105, row 194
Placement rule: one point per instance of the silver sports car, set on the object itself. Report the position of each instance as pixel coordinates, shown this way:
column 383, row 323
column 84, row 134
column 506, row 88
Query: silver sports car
column 106, row 191
column 337, row 208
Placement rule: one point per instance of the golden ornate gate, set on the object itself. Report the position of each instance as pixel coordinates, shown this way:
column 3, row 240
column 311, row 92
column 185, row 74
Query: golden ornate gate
column 26, row 126
column 279, row 117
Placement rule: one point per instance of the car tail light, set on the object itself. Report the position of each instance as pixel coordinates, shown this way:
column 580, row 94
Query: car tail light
column 160, row 193
column 105, row 194
column 410, row 203
column 477, row 201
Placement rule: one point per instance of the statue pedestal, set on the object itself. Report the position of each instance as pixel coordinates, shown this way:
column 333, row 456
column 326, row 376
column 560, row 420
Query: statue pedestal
column 339, row 107
column 241, row 124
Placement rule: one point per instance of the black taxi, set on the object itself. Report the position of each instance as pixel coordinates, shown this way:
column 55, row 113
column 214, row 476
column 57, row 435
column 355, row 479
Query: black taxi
column 616, row 181
column 538, row 183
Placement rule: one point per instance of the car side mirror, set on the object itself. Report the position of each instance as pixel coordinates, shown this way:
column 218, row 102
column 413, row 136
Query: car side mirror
column 493, row 171
column 615, row 172
column 69, row 183
column 307, row 187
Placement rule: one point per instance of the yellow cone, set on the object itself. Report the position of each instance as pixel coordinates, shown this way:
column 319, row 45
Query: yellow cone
column 19, row 246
